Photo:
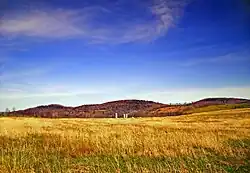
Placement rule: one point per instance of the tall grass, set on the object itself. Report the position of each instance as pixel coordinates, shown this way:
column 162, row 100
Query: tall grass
column 204, row 142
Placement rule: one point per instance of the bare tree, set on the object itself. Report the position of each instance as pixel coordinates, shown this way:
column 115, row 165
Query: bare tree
column 6, row 111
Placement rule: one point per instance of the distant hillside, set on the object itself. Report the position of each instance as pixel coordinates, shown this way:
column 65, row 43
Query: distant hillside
column 135, row 108
column 204, row 105
column 91, row 111
column 219, row 101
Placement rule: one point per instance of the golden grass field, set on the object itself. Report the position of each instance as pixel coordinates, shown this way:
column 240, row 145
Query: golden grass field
column 216, row 141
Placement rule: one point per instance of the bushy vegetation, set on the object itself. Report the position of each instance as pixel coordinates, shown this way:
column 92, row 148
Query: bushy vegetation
column 105, row 110
column 176, row 110
column 206, row 142
column 217, row 107
column 134, row 108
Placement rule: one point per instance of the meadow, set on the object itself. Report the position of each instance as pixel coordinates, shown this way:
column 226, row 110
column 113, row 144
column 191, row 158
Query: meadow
column 217, row 141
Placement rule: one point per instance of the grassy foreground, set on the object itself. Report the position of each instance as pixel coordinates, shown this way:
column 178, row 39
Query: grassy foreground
column 204, row 142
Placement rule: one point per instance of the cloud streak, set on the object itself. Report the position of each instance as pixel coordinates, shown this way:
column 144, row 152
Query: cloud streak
column 230, row 57
column 87, row 23
column 46, row 23
column 35, row 90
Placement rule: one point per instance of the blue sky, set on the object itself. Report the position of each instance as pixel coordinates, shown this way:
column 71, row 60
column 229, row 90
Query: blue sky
column 83, row 52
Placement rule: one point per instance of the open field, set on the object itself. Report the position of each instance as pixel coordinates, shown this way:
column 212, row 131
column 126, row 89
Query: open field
column 217, row 141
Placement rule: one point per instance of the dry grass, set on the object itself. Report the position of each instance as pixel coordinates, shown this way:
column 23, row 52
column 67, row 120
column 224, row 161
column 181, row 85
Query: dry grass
column 203, row 142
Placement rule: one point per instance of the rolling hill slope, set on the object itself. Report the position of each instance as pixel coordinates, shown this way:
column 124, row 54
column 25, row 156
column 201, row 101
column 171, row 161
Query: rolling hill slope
column 135, row 108
column 91, row 111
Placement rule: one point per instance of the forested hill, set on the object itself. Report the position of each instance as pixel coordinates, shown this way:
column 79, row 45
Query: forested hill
column 134, row 108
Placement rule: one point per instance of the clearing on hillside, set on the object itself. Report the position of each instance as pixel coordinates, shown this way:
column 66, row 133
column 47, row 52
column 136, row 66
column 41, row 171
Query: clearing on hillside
column 217, row 141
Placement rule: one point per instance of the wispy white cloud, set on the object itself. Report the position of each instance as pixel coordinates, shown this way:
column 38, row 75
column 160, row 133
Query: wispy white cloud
column 47, row 23
column 36, row 90
column 82, row 24
column 14, row 75
column 13, row 71
column 230, row 57
column 12, row 46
